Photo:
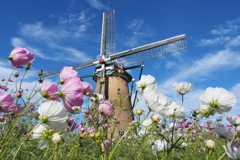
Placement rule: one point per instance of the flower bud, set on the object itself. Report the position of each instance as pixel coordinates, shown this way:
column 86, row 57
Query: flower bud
column 210, row 144
column 196, row 111
column 16, row 74
column 97, row 135
column 40, row 80
column 28, row 66
column 40, row 72
column 139, row 112
column 102, row 81
column 155, row 118
column 61, row 81
column 120, row 71
column 56, row 138
column 18, row 95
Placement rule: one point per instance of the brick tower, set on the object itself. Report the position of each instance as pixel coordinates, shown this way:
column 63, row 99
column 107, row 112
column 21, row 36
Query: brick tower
column 116, row 89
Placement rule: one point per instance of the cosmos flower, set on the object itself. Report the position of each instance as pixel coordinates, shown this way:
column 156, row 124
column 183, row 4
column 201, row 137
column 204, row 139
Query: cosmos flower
column 53, row 114
column 20, row 56
column 160, row 145
column 172, row 109
column 106, row 108
column 71, row 93
column 154, row 101
column 183, row 87
column 223, row 132
column 38, row 134
column 234, row 120
column 7, row 104
column 218, row 99
column 49, row 91
column 232, row 152
column 71, row 125
column 87, row 88
column 3, row 88
column 147, row 122
column 146, row 81
column 66, row 73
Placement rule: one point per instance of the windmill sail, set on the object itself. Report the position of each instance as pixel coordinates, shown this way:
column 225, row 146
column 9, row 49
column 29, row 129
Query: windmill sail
column 108, row 34
column 150, row 51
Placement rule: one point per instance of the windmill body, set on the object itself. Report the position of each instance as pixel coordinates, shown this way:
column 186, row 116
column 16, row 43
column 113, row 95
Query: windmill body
column 115, row 87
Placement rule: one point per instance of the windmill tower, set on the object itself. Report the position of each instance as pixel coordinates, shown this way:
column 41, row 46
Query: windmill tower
column 115, row 85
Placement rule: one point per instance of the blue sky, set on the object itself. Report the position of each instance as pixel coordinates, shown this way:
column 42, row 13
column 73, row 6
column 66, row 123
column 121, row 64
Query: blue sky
column 65, row 32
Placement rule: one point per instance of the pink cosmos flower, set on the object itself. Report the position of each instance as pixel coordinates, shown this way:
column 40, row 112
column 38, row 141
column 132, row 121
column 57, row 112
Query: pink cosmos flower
column 7, row 104
column 106, row 108
column 3, row 88
column 71, row 93
column 20, row 56
column 66, row 73
column 87, row 88
column 71, row 125
column 49, row 91
column 90, row 130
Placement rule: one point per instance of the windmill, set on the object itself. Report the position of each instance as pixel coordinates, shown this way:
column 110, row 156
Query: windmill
column 107, row 68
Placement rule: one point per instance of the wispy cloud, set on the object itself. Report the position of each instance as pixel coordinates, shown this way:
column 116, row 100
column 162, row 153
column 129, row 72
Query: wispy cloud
column 98, row 4
column 58, row 38
column 215, row 41
column 139, row 31
column 214, row 62
column 230, row 27
column 17, row 42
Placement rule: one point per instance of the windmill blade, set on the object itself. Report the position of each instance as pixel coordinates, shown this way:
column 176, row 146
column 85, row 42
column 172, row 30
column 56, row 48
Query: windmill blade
column 108, row 34
column 56, row 71
column 150, row 51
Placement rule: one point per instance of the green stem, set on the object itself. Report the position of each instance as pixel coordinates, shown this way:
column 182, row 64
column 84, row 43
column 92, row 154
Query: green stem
column 3, row 58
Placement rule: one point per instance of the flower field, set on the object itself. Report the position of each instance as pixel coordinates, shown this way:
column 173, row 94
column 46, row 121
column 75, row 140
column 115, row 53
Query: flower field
column 43, row 123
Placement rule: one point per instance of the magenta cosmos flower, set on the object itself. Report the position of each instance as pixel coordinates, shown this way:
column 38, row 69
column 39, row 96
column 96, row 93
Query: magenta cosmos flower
column 7, row 104
column 71, row 93
column 66, row 73
column 20, row 56
column 106, row 108
column 49, row 91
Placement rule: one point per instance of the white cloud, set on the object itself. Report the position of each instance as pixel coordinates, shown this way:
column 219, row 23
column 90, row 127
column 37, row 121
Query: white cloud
column 98, row 4
column 139, row 31
column 215, row 41
column 228, row 28
column 234, row 42
column 135, row 24
column 17, row 42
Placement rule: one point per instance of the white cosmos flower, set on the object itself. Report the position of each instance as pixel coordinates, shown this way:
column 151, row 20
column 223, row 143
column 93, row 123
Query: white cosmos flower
column 234, row 120
column 172, row 125
column 146, row 81
column 77, row 109
column 161, row 145
column 222, row 132
column 218, row 99
column 206, row 108
column 37, row 134
column 172, row 109
column 147, row 122
column 156, row 102
column 54, row 114
column 183, row 87
column 232, row 153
